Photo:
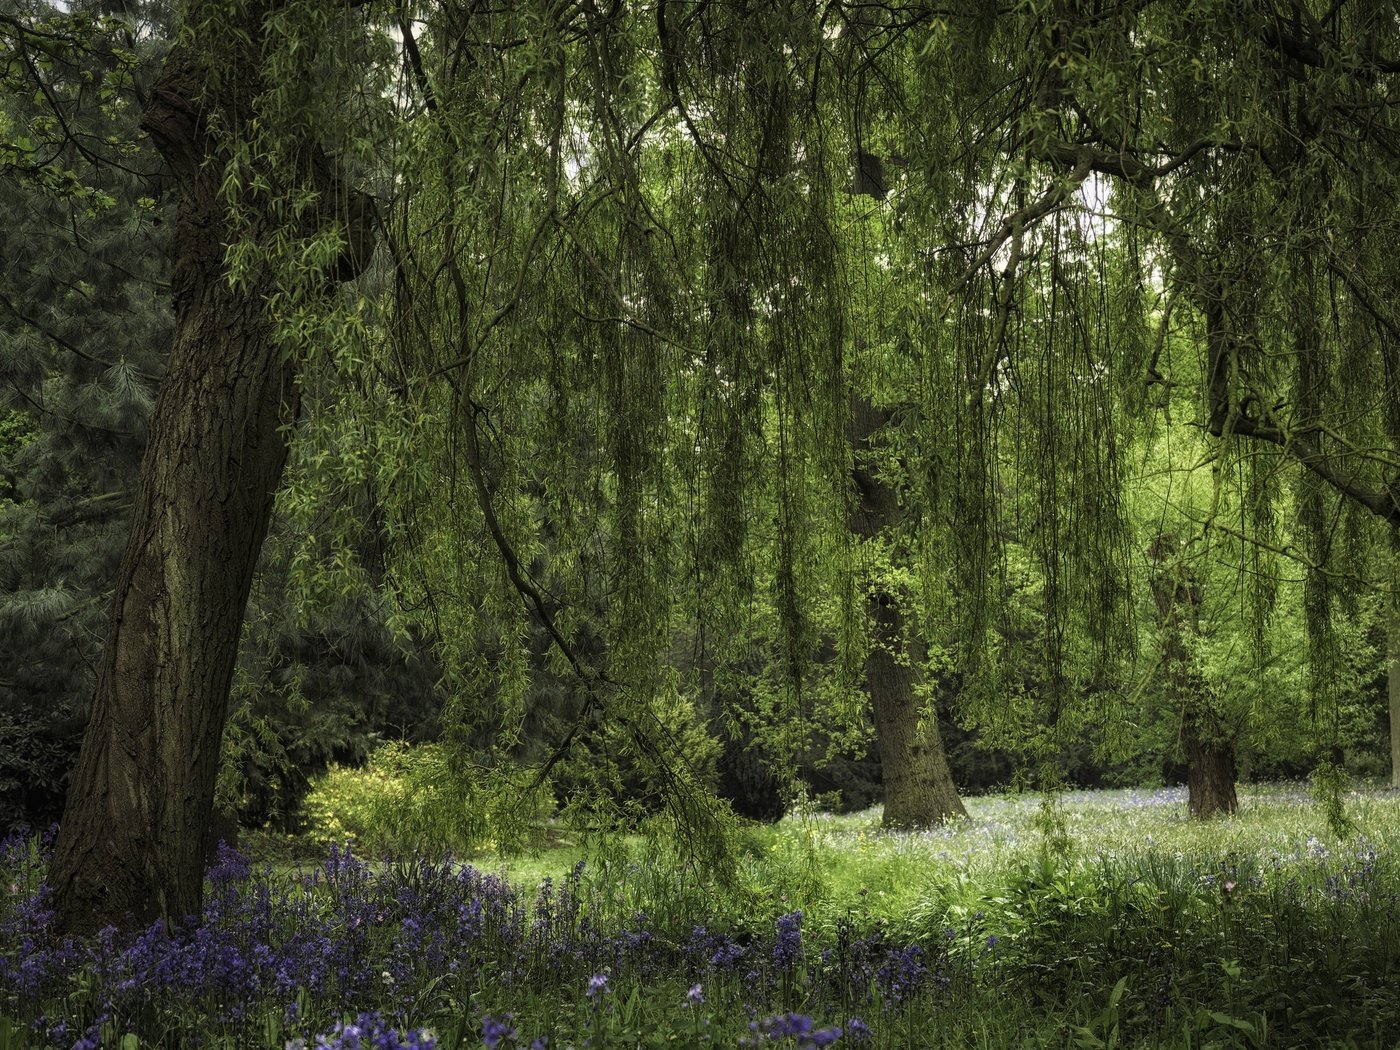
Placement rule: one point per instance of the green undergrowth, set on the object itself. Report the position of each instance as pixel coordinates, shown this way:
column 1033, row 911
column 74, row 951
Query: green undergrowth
column 1093, row 919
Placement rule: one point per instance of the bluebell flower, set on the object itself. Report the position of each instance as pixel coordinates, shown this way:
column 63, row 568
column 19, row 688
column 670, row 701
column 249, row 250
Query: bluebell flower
column 715, row 949
column 229, row 866
column 781, row 1026
column 901, row 973
column 597, row 986
column 496, row 1029
column 787, row 945
column 727, row 955
column 368, row 1032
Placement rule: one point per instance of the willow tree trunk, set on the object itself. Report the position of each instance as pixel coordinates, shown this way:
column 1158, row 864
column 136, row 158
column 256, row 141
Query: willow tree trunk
column 1392, row 681
column 919, row 789
column 1210, row 770
column 1210, row 751
column 130, row 847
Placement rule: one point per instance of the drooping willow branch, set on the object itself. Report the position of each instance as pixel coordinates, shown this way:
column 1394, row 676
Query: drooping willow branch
column 1226, row 415
column 592, row 678
column 597, row 684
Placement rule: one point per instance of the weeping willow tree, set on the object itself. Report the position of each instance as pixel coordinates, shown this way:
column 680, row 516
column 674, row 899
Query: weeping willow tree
column 1264, row 204
column 668, row 245
column 627, row 291
column 617, row 294
column 268, row 227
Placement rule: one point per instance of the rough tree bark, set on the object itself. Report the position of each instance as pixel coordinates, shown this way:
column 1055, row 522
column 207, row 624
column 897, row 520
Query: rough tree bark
column 1210, row 752
column 1210, row 766
column 1392, row 681
column 919, row 789
column 130, row 847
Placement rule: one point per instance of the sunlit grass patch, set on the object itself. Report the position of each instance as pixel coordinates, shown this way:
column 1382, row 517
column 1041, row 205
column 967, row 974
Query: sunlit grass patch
column 848, row 861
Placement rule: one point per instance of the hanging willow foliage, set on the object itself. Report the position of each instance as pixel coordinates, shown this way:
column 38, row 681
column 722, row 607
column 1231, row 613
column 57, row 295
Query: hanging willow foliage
column 640, row 280
column 644, row 258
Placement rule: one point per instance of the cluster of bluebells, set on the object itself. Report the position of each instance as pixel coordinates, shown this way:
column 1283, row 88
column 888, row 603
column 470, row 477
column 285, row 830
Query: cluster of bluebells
column 339, row 957
column 798, row 1029
column 366, row 1032
column 712, row 951
column 871, row 970
column 787, row 943
column 349, row 956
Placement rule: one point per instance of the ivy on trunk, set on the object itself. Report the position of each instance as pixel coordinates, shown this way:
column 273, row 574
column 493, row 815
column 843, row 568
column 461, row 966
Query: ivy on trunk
column 919, row 789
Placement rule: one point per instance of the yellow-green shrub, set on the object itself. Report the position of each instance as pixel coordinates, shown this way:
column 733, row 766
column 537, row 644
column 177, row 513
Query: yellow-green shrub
column 405, row 797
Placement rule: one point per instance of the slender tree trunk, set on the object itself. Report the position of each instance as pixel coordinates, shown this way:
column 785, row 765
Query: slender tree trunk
column 919, row 789
column 131, row 845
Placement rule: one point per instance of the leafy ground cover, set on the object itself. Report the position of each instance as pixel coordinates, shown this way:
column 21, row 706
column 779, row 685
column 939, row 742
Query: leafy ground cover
column 1102, row 919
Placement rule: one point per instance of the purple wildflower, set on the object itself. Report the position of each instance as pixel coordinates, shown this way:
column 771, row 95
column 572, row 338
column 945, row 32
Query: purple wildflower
column 368, row 1032
column 781, row 1026
column 787, row 946
column 496, row 1029
column 597, row 986
column 901, row 973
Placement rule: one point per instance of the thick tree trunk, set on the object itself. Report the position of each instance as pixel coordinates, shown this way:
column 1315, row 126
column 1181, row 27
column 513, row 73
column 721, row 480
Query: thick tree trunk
column 131, row 845
column 1210, row 773
column 919, row 789
column 1210, row 752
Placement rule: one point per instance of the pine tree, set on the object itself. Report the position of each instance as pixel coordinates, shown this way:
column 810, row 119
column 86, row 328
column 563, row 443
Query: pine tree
column 83, row 333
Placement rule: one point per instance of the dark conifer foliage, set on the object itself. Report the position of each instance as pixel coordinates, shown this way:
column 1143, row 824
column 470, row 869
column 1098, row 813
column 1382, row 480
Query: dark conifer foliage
column 84, row 328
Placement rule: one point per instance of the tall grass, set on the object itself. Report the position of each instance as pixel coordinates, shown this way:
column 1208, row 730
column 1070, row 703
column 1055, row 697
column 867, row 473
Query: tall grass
column 1108, row 921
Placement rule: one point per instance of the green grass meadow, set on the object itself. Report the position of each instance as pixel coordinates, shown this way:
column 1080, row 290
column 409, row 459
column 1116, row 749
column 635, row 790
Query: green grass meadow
column 1088, row 918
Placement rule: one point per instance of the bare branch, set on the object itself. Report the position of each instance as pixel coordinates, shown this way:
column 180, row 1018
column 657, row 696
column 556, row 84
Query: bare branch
column 1383, row 502
column 1017, row 223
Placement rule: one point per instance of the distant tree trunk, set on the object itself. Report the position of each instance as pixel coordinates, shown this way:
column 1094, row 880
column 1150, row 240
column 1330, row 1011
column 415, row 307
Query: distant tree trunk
column 1210, row 771
column 1392, row 681
column 131, row 845
column 919, row 789
column 1210, row 752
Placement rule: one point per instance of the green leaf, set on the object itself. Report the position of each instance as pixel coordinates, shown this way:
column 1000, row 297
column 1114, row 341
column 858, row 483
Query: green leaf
column 1232, row 1022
